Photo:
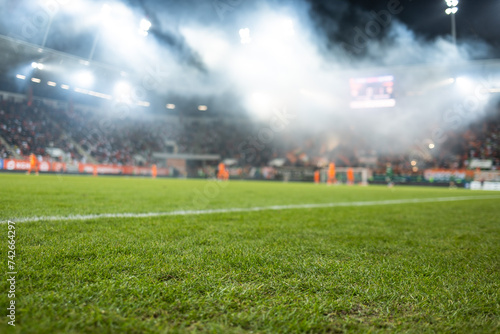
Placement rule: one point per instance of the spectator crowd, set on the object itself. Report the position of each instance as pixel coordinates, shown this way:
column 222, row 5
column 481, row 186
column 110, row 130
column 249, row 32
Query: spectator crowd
column 86, row 134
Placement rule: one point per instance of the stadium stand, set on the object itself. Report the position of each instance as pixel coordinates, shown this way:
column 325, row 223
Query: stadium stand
column 28, row 129
column 79, row 134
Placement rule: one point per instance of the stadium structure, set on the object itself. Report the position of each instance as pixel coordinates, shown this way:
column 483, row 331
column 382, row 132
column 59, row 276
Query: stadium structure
column 49, row 109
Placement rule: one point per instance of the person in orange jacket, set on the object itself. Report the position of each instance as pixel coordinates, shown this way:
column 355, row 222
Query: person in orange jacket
column 316, row 176
column 154, row 171
column 221, row 173
column 350, row 176
column 331, row 173
column 33, row 164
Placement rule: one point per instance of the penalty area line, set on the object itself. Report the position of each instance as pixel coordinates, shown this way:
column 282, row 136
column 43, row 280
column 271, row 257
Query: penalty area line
column 251, row 209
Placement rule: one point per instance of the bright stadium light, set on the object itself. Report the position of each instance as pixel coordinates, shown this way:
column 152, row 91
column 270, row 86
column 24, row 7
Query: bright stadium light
column 20, row 76
column 51, row 83
column 464, row 83
column 100, row 95
column 431, row 146
column 170, row 106
column 144, row 27
column 145, row 24
column 122, row 89
column 64, row 86
column 245, row 36
column 81, row 90
column 85, row 78
column 143, row 103
column 36, row 80
column 202, row 108
column 260, row 103
column 37, row 65
column 452, row 10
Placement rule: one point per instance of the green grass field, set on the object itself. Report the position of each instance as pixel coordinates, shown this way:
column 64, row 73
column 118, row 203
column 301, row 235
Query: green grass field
column 416, row 267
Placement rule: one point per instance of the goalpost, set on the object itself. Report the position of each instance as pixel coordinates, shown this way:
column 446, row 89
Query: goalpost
column 361, row 175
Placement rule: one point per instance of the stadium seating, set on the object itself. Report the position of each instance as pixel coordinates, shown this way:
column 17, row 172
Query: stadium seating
column 93, row 136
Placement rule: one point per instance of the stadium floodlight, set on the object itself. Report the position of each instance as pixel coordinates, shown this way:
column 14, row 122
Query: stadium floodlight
column 51, row 83
column 260, row 103
column 464, row 83
column 36, row 80
column 85, row 78
column 170, row 106
column 202, row 108
column 100, row 95
column 20, row 76
column 144, row 27
column 431, row 146
column 64, row 86
column 145, row 24
column 245, row 36
column 143, row 103
column 122, row 89
column 81, row 90
column 452, row 10
column 39, row 66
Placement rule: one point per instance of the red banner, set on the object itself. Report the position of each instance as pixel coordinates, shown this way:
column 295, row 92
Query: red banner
column 60, row 167
column 13, row 164
column 44, row 166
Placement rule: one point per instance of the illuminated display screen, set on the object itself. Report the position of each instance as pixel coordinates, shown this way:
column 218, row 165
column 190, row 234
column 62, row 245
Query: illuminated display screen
column 373, row 92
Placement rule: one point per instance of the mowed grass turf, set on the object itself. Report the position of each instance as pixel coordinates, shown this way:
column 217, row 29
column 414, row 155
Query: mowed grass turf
column 421, row 267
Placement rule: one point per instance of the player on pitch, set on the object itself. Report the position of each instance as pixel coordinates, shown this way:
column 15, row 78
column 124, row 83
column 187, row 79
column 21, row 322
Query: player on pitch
column 33, row 164
column 331, row 173
column 221, row 173
column 316, row 176
column 389, row 175
column 350, row 176
column 154, row 171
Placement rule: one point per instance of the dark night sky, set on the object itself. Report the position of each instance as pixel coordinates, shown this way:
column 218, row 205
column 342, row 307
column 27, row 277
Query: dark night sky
column 476, row 19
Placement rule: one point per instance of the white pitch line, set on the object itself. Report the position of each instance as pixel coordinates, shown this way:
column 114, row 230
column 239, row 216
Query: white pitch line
column 259, row 208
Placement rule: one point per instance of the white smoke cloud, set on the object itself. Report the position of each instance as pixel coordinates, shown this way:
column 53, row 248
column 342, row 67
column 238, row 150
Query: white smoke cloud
column 291, row 60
